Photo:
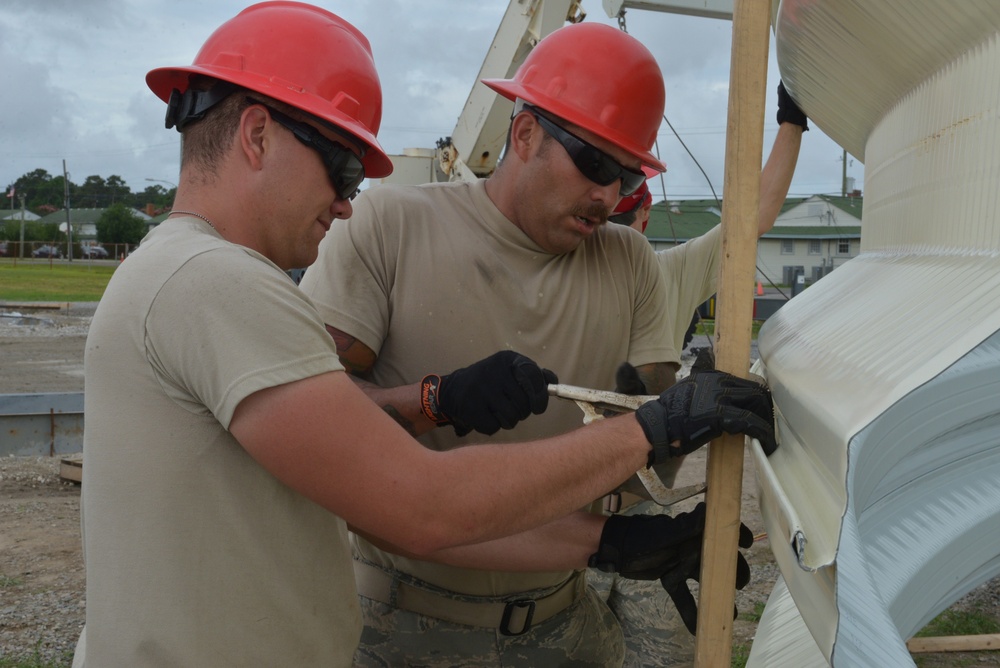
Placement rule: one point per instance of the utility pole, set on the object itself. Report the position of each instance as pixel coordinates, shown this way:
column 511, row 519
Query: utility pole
column 843, row 176
column 69, row 226
column 20, row 246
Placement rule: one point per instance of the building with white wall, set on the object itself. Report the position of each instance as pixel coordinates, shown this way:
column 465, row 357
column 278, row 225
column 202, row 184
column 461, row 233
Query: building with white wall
column 812, row 235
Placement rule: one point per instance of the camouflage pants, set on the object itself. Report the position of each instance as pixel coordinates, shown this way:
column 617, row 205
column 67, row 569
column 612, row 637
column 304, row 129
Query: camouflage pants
column 654, row 633
column 585, row 635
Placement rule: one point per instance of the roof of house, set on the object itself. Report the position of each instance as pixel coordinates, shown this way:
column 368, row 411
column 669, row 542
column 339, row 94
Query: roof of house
column 686, row 219
column 814, row 232
column 15, row 214
column 81, row 216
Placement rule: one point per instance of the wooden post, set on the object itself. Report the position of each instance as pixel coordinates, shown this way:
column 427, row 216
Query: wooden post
column 741, row 199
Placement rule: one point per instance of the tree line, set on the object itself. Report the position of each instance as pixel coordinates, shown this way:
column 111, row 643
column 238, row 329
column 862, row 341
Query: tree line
column 44, row 193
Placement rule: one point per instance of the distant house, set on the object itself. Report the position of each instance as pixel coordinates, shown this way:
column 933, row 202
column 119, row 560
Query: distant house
column 15, row 214
column 84, row 221
column 812, row 235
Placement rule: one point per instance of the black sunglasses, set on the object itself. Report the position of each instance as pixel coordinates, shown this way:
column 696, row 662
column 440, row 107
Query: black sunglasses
column 343, row 166
column 592, row 162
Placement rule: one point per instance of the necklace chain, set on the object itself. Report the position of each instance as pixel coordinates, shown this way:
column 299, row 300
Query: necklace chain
column 196, row 215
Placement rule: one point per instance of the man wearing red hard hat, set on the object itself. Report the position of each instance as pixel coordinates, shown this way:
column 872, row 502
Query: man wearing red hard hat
column 226, row 451
column 633, row 210
column 440, row 275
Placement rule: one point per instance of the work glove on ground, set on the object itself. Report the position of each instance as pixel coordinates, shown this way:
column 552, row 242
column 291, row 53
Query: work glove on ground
column 492, row 394
column 700, row 408
column 651, row 547
column 788, row 111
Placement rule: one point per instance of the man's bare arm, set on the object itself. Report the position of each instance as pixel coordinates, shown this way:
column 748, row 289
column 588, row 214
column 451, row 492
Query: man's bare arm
column 659, row 376
column 401, row 403
column 323, row 438
column 776, row 177
column 563, row 544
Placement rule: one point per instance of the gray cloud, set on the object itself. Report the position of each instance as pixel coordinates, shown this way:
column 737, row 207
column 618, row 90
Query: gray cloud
column 73, row 83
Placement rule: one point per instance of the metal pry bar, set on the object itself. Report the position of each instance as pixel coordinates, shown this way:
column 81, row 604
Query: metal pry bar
column 591, row 401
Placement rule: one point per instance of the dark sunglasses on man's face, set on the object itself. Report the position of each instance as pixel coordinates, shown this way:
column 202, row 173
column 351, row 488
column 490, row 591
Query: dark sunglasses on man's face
column 343, row 166
column 592, row 162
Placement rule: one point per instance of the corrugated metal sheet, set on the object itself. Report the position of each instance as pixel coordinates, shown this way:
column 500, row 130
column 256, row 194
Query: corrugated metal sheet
column 848, row 62
column 883, row 501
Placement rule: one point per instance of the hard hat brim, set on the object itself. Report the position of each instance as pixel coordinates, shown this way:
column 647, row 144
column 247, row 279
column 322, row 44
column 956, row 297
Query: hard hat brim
column 163, row 80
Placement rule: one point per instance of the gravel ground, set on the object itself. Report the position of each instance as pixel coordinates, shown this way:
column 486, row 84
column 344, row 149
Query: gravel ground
column 41, row 569
column 42, row 593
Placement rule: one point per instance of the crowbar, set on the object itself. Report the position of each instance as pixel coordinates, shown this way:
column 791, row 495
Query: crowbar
column 593, row 403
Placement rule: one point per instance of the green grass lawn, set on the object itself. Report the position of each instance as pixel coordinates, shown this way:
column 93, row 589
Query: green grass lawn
column 40, row 281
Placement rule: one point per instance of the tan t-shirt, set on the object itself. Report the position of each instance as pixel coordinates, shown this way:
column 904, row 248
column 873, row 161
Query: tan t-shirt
column 195, row 555
column 690, row 272
column 434, row 277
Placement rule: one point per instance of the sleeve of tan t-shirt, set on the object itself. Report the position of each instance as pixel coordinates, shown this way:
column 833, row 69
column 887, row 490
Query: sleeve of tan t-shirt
column 247, row 327
column 351, row 280
column 690, row 273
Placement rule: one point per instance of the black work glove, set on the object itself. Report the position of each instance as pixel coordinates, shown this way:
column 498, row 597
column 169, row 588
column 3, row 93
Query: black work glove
column 627, row 381
column 700, row 408
column 788, row 111
column 688, row 567
column 492, row 394
column 647, row 547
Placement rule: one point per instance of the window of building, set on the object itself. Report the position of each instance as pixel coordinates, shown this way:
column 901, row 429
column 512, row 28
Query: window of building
column 787, row 247
column 814, row 248
column 844, row 247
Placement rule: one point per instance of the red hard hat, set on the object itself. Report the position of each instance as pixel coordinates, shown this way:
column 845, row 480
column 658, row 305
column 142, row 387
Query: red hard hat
column 639, row 197
column 598, row 78
column 301, row 55
column 633, row 201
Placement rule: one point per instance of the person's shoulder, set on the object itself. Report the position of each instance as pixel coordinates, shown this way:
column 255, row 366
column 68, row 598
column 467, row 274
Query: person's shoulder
column 394, row 204
column 386, row 193
column 633, row 241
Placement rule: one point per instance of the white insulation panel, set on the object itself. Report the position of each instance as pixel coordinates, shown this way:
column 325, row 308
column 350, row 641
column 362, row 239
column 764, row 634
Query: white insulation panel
column 883, row 501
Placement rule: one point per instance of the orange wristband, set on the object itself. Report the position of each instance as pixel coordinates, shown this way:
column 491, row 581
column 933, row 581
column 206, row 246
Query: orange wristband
column 429, row 400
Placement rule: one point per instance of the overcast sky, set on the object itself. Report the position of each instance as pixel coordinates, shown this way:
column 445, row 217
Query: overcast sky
column 73, row 88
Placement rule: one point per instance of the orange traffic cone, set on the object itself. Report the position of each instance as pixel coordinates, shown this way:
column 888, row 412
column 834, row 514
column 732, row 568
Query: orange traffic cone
column 760, row 289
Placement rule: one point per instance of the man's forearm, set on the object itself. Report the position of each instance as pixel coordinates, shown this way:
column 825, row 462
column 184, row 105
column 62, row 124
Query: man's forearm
column 563, row 544
column 658, row 377
column 401, row 403
column 776, row 178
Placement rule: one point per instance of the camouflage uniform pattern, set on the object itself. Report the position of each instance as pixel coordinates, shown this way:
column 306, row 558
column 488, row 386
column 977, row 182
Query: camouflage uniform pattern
column 654, row 634
column 584, row 635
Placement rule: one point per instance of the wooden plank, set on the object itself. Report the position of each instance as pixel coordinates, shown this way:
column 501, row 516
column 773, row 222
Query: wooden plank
column 741, row 199
column 976, row 643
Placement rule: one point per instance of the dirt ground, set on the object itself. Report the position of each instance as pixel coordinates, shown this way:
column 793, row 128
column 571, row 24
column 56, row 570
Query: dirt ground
column 42, row 593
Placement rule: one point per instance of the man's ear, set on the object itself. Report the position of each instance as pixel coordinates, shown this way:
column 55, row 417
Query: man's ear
column 253, row 138
column 525, row 135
